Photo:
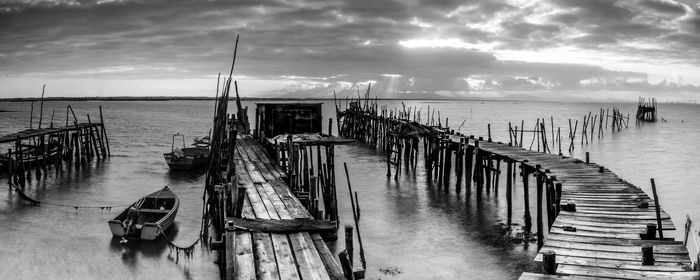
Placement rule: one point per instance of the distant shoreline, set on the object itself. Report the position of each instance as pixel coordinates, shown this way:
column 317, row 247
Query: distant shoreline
column 206, row 98
column 171, row 98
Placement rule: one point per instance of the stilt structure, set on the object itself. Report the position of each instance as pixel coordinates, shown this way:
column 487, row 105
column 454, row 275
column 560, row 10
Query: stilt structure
column 590, row 223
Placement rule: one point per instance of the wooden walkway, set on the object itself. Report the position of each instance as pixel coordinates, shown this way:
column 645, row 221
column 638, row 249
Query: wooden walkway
column 602, row 238
column 29, row 133
column 265, row 255
column 607, row 242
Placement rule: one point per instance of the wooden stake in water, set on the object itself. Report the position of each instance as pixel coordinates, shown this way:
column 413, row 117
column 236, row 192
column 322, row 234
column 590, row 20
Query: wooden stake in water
column 354, row 215
column 658, row 210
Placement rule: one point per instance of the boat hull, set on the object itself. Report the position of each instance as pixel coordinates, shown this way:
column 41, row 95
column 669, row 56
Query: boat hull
column 193, row 158
column 152, row 219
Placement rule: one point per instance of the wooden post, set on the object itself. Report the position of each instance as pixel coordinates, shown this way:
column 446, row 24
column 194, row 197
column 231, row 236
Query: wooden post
column 558, row 198
column 658, row 209
column 647, row 254
column 526, row 197
column 509, row 186
column 41, row 111
column 549, row 262
column 346, row 265
column 31, row 116
column 349, row 242
column 540, row 226
column 588, row 160
column 354, row 215
column 469, row 160
column 489, row 126
column 559, row 139
column 330, row 127
column 447, row 170
column 651, row 232
column 549, row 195
column 357, row 206
column 497, row 175
column 478, row 169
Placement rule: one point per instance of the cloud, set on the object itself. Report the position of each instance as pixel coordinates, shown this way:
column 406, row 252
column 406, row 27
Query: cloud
column 312, row 47
column 664, row 6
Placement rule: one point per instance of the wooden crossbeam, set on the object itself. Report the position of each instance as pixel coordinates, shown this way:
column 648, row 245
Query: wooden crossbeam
column 280, row 226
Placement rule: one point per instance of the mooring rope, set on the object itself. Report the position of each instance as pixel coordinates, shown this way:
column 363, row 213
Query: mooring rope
column 189, row 250
column 186, row 250
column 36, row 202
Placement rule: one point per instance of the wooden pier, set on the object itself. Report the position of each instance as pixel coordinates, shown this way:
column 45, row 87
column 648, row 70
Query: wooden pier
column 261, row 229
column 590, row 223
column 275, row 252
column 603, row 236
column 39, row 148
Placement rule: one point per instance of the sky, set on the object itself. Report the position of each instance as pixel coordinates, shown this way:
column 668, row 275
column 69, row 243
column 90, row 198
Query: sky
column 549, row 49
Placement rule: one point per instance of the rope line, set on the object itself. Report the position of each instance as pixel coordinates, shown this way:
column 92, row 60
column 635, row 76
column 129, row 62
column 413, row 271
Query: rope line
column 36, row 202
column 186, row 250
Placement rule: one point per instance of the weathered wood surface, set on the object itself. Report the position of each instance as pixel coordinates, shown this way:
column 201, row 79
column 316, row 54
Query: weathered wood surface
column 608, row 220
column 282, row 226
column 604, row 235
column 282, row 244
column 29, row 133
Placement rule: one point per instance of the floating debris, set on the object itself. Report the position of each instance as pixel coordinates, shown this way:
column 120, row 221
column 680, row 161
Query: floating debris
column 390, row 270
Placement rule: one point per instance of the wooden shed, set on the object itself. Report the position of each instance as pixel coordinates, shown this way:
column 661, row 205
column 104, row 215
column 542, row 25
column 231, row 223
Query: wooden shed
column 273, row 119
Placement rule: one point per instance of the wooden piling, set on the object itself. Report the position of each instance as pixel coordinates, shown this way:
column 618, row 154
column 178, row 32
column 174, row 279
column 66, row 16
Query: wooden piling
column 657, row 208
column 540, row 226
column 509, row 194
column 526, row 197
column 349, row 242
column 647, row 254
column 549, row 262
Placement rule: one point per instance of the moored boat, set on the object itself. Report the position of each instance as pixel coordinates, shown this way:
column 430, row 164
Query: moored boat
column 148, row 217
column 190, row 157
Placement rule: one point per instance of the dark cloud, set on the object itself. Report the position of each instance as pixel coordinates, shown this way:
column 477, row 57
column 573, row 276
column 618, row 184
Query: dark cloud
column 525, row 30
column 664, row 6
column 597, row 10
column 352, row 41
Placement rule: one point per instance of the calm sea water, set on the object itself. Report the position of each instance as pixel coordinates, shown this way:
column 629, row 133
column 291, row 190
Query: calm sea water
column 409, row 226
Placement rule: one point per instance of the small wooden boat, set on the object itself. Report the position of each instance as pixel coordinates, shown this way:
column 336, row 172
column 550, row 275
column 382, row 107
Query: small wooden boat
column 148, row 217
column 188, row 158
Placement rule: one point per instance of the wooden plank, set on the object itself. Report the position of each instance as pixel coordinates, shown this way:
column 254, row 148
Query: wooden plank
column 257, row 203
column 587, row 233
column 267, row 202
column 230, row 253
column 265, row 263
column 277, row 202
column 610, row 223
column 640, row 230
column 534, row 276
column 332, row 266
column 608, row 240
column 250, row 168
column 624, row 273
column 248, row 212
column 295, row 208
column 245, row 261
column 285, row 259
column 610, row 255
column 283, row 226
column 623, row 248
column 621, row 264
column 592, row 212
column 310, row 265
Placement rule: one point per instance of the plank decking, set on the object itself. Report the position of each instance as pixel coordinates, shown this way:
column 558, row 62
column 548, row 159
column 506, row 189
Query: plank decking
column 607, row 241
column 264, row 255
column 602, row 238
